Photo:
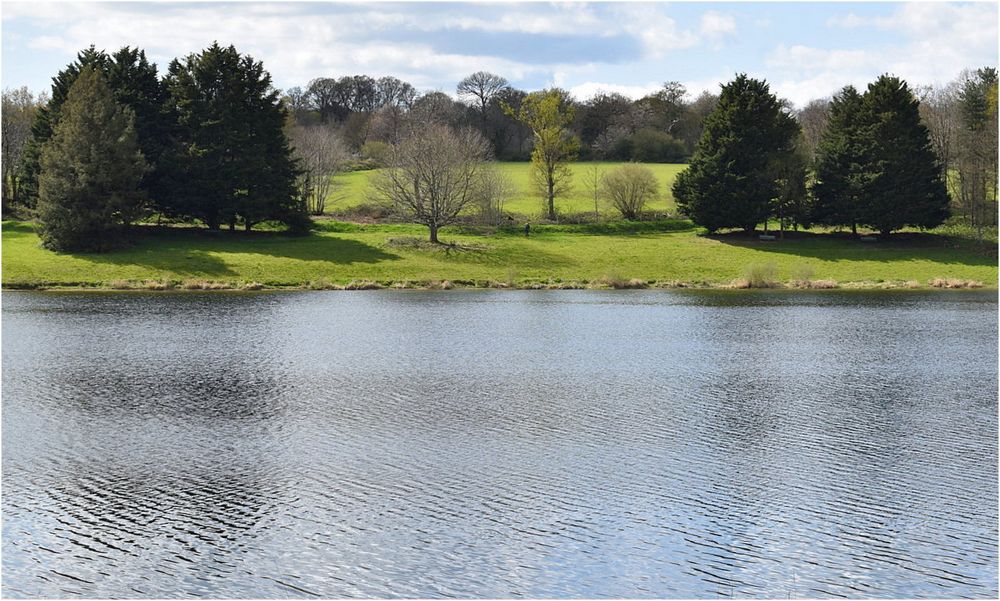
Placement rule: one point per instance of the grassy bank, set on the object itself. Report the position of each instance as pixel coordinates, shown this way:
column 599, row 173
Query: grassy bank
column 648, row 254
column 351, row 189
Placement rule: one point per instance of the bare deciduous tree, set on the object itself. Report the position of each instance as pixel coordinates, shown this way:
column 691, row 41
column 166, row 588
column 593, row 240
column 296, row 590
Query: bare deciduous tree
column 939, row 112
column 812, row 118
column 628, row 188
column 481, row 87
column 434, row 174
column 496, row 188
column 322, row 94
column 322, row 155
column 18, row 113
column 395, row 92
column 387, row 124
column 435, row 107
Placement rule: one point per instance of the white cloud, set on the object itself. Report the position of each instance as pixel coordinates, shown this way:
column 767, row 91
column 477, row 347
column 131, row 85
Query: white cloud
column 801, row 59
column 974, row 23
column 589, row 89
column 657, row 32
column 296, row 48
column 941, row 39
column 716, row 25
column 848, row 21
column 559, row 19
column 929, row 43
column 922, row 42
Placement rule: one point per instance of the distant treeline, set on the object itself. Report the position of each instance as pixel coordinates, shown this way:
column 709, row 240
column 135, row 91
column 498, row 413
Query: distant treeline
column 662, row 127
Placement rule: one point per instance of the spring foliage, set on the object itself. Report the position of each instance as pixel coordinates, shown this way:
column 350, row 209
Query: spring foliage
column 549, row 114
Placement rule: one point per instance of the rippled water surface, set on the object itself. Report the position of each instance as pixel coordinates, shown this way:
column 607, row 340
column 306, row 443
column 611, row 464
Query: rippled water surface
column 500, row 444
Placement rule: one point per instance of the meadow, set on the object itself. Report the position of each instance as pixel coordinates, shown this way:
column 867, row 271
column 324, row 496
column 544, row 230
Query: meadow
column 351, row 190
column 665, row 253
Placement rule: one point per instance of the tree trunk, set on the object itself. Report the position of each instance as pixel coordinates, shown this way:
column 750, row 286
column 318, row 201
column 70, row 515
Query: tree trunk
column 884, row 232
column 552, row 200
column 249, row 225
column 213, row 223
column 854, row 229
column 434, row 233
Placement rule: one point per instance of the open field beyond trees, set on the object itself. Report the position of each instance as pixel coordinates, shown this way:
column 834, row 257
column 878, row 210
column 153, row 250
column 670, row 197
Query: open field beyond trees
column 616, row 254
column 351, row 189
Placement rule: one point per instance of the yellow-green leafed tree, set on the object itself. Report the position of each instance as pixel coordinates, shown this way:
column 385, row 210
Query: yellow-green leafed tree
column 549, row 114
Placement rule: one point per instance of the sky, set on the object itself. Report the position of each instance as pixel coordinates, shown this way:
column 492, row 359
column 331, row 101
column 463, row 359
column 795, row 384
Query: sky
column 804, row 50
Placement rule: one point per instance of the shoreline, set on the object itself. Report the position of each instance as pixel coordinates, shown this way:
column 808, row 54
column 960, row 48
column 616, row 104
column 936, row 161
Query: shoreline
column 441, row 285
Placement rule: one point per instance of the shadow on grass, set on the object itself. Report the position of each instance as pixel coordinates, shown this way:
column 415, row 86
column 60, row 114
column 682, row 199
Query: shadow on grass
column 841, row 246
column 16, row 229
column 192, row 251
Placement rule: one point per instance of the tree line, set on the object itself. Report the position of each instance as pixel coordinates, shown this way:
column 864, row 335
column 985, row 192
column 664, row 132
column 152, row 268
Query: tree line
column 115, row 142
column 660, row 127
column 872, row 162
column 213, row 141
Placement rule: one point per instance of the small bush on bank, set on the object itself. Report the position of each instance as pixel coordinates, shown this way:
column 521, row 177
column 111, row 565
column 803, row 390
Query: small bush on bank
column 616, row 281
column 758, row 276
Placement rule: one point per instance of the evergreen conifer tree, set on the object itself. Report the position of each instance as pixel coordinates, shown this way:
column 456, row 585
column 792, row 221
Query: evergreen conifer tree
column 229, row 159
column 91, row 167
column 731, row 179
column 839, row 157
column 902, row 183
column 135, row 84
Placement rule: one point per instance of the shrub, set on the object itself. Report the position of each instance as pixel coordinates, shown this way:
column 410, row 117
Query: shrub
column 628, row 188
column 759, row 276
column 616, row 281
column 652, row 146
column 954, row 283
column 376, row 153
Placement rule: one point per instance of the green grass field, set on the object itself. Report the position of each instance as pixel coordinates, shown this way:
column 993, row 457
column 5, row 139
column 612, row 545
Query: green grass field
column 665, row 251
column 351, row 190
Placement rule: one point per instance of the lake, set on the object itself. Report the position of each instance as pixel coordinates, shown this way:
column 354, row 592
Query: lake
column 500, row 444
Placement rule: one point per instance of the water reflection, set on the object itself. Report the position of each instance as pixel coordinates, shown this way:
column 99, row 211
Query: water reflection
column 500, row 444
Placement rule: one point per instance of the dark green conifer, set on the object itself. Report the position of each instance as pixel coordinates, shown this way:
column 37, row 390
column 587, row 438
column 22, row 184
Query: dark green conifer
column 134, row 83
column 839, row 160
column 229, row 160
column 91, row 167
column 731, row 179
column 902, row 183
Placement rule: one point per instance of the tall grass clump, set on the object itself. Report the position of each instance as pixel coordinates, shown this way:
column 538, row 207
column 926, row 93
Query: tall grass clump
column 618, row 282
column 954, row 283
column 758, row 275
